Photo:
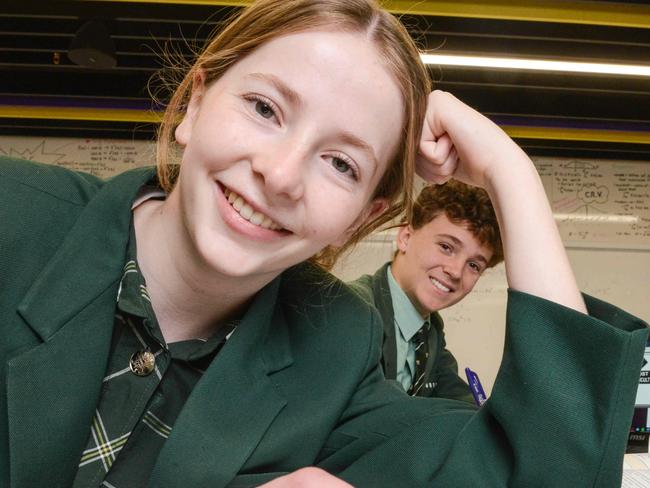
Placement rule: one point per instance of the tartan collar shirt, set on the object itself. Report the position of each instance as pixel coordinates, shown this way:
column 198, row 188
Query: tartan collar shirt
column 144, row 389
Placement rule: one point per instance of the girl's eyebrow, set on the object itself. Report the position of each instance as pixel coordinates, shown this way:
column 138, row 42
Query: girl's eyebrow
column 351, row 139
column 291, row 95
column 294, row 98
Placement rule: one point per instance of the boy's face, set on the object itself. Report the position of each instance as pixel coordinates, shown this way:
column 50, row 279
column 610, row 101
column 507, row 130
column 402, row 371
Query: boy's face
column 439, row 263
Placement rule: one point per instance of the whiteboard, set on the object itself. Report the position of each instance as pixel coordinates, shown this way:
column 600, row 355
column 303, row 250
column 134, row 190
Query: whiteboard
column 602, row 209
column 599, row 203
column 100, row 157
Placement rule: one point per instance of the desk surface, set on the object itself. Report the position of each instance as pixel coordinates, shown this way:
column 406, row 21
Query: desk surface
column 636, row 471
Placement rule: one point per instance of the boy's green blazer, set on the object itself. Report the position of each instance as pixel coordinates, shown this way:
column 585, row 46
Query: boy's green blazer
column 299, row 382
column 441, row 369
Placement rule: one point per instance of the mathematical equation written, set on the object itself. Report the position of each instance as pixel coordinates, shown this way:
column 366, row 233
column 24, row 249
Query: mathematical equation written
column 599, row 202
column 100, row 157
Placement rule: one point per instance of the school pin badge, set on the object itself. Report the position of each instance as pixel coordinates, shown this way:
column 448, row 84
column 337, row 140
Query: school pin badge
column 142, row 363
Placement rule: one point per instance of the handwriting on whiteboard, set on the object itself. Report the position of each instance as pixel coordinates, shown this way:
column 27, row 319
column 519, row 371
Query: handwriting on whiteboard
column 598, row 202
column 100, row 157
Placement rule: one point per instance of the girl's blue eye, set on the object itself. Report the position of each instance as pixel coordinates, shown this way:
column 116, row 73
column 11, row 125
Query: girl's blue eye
column 264, row 109
column 341, row 165
column 344, row 166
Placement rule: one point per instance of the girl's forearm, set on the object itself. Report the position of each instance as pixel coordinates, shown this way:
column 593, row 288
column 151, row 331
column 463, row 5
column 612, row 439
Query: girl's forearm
column 535, row 258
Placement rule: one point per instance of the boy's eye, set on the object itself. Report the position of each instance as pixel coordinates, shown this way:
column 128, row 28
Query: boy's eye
column 476, row 267
column 264, row 109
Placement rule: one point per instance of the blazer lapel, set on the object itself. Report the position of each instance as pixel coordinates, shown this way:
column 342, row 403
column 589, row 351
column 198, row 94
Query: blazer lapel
column 232, row 405
column 53, row 388
column 384, row 304
column 52, row 391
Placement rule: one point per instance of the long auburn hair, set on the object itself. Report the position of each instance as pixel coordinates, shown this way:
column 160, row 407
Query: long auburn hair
column 265, row 20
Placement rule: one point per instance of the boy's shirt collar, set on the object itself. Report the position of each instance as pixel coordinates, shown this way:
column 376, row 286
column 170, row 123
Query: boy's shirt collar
column 407, row 317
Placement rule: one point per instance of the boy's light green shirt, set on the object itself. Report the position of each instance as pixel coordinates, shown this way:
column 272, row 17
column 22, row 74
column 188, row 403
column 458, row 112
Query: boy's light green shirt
column 407, row 322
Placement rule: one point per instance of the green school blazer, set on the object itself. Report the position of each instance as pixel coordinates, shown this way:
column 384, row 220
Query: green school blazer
column 441, row 369
column 299, row 383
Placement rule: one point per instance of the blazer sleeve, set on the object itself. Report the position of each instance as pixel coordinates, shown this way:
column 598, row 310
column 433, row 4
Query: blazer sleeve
column 559, row 411
column 448, row 383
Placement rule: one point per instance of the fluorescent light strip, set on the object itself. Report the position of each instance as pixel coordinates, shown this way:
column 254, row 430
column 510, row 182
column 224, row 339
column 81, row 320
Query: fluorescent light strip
column 536, row 64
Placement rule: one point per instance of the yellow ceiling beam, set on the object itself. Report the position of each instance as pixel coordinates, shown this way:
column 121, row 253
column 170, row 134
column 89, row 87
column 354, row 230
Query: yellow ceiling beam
column 567, row 134
column 74, row 113
column 587, row 12
column 569, row 11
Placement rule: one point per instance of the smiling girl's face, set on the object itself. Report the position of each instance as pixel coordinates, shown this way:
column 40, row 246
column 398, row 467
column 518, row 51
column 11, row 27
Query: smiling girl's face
column 284, row 151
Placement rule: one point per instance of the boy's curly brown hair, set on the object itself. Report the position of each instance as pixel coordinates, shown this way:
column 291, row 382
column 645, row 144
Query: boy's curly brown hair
column 464, row 205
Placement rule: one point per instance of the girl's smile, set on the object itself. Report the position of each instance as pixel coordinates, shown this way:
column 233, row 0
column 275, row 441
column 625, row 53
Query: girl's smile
column 282, row 156
column 246, row 217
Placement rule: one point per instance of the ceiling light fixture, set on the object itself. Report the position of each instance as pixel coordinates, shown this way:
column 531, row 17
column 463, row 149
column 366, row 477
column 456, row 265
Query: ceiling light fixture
column 536, row 65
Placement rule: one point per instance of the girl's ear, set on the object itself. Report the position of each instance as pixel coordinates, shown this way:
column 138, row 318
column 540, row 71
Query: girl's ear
column 373, row 210
column 183, row 131
column 403, row 236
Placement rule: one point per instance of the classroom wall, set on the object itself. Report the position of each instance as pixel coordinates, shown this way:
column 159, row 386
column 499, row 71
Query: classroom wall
column 602, row 209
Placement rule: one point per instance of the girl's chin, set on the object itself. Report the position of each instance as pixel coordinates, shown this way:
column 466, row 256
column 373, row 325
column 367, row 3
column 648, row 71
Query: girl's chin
column 245, row 264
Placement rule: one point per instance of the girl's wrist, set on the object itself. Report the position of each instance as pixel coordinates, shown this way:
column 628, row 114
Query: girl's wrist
column 510, row 172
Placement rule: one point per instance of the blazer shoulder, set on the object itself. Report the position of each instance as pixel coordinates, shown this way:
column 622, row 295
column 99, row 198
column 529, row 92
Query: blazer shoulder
column 324, row 298
column 326, row 319
column 436, row 320
column 362, row 286
column 19, row 175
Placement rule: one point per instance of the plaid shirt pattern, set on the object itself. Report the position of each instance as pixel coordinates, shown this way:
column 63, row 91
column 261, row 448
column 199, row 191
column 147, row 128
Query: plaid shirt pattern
column 136, row 414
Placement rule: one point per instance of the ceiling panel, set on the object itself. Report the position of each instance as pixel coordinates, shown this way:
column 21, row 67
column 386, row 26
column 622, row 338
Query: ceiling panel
column 43, row 92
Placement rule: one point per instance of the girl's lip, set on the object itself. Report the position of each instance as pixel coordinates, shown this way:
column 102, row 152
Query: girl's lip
column 239, row 224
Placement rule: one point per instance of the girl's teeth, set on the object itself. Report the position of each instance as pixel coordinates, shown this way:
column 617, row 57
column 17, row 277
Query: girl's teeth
column 247, row 211
column 238, row 203
column 256, row 218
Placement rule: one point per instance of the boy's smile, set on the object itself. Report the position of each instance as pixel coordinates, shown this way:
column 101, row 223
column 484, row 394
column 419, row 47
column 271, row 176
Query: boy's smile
column 439, row 263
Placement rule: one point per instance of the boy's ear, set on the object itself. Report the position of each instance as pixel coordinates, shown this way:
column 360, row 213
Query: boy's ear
column 403, row 236
column 183, row 131
column 373, row 210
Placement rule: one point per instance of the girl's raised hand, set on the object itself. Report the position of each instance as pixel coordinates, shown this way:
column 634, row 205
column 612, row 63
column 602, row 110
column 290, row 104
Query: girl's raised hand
column 459, row 142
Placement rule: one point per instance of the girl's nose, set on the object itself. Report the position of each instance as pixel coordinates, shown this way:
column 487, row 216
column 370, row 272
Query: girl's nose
column 283, row 170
